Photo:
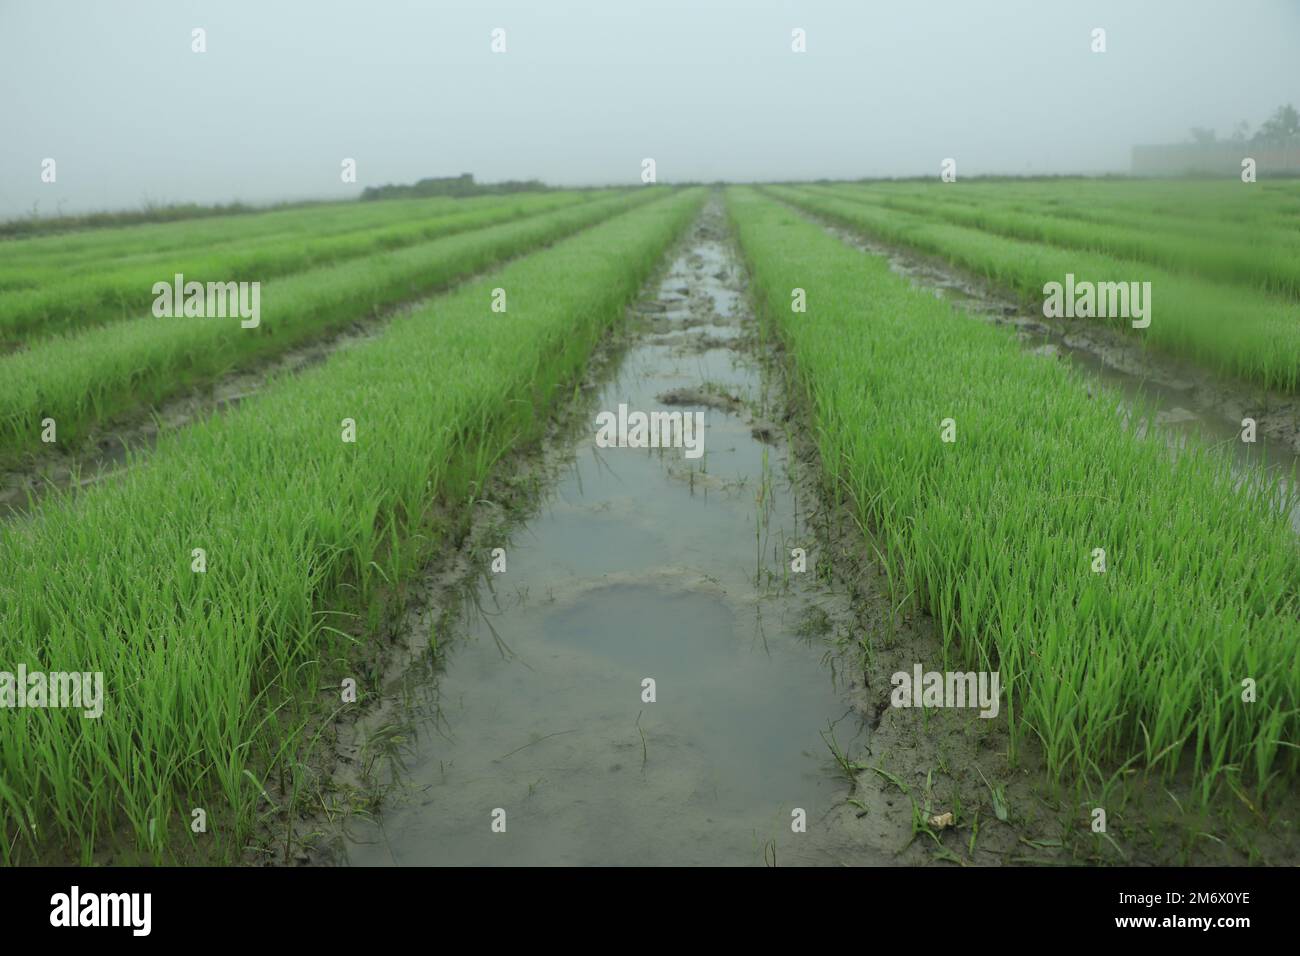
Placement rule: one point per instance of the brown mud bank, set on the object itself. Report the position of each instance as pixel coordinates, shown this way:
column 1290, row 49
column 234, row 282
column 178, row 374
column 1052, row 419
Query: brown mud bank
column 643, row 674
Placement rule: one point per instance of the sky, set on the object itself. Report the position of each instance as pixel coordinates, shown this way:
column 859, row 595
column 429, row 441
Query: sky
column 710, row 89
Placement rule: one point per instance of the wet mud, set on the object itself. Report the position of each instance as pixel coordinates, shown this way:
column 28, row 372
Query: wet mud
column 640, row 565
column 516, row 725
column 769, row 740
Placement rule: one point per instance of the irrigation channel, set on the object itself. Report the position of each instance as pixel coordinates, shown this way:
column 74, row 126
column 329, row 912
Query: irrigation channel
column 518, row 731
column 643, row 564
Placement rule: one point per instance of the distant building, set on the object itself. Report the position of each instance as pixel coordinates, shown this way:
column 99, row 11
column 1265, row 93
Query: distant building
column 1221, row 158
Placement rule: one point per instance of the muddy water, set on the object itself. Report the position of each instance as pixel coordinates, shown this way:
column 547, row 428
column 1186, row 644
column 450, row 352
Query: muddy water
column 1189, row 402
column 643, row 564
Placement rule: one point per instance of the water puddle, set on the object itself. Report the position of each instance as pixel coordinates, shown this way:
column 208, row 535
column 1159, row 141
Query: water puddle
column 643, row 564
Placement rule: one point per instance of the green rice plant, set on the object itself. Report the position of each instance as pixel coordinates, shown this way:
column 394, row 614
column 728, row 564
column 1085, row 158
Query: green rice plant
column 91, row 377
column 1250, row 335
column 85, row 296
column 99, row 246
column 1148, row 663
column 1250, row 213
column 1186, row 205
column 22, row 227
column 31, row 263
column 210, row 676
column 1267, row 260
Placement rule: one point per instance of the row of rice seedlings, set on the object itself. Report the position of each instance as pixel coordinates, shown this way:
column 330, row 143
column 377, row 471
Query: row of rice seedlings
column 82, row 248
column 208, row 675
column 1221, row 202
column 1268, row 260
column 1180, row 650
column 41, row 289
column 1232, row 330
column 1266, row 214
column 125, row 288
column 81, row 380
column 1246, row 225
column 1254, row 214
column 29, row 264
column 1181, row 238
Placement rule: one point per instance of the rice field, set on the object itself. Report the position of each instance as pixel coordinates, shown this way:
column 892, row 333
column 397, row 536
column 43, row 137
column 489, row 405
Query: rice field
column 995, row 532
column 84, row 378
column 1223, row 300
column 300, row 530
column 234, row 579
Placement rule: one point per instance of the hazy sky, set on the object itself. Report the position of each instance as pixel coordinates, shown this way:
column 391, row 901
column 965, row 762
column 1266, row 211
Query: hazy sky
column 709, row 88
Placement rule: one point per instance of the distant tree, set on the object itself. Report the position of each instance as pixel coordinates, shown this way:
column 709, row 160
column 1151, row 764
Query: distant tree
column 452, row 186
column 1201, row 134
column 1241, row 132
column 1283, row 124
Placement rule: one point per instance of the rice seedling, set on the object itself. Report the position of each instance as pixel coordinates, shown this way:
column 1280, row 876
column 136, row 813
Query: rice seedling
column 1266, row 259
column 49, row 255
column 84, row 379
column 1148, row 662
column 1178, row 207
column 209, row 676
column 70, row 296
column 850, row 768
column 1250, row 335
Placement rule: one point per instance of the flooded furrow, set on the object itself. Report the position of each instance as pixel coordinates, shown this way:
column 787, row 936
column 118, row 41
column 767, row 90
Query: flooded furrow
column 641, row 678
